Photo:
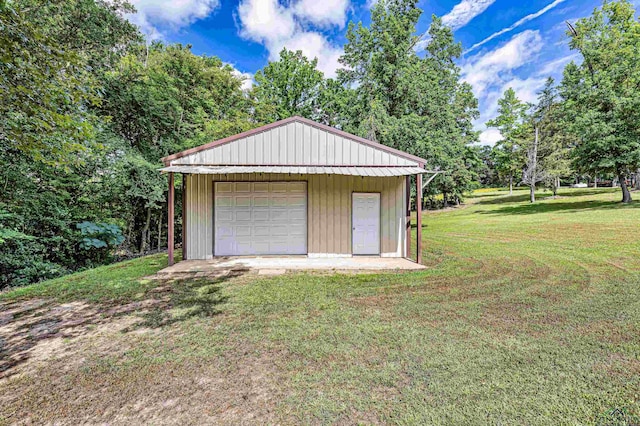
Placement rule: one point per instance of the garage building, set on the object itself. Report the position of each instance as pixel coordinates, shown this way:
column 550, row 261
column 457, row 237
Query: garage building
column 294, row 187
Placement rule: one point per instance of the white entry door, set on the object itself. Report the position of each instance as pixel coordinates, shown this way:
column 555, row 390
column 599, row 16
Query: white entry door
column 366, row 223
column 260, row 218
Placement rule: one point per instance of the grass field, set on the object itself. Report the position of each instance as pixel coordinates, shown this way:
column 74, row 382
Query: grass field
column 528, row 314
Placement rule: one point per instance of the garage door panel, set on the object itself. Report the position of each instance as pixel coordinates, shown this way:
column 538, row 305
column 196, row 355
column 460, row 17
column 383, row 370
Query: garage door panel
column 297, row 200
column 261, row 231
column 224, row 201
column 243, row 231
column 261, row 187
column 261, row 215
column 279, row 186
column 261, row 201
column 242, row 201
column 260, row 247
column 279, row 201
column 297, row 230
column 224, row 231
column 242, row 187
column 297, row 215
column 254, row 218
column 279, row 231
column 281, row 216
column 225, row 215
column 243, row 216
column 224, row 187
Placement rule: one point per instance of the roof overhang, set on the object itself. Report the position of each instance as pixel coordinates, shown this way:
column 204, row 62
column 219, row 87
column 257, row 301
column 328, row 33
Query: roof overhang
column 374, row 171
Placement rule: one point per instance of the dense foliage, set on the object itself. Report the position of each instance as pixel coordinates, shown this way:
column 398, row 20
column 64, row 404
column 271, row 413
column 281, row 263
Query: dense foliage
column 89, row 106
column 589, row 125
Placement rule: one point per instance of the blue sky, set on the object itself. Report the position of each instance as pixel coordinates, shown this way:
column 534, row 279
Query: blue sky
column 507, row 43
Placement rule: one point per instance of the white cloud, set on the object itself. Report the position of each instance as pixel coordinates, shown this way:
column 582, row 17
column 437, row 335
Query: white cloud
column 314, row 45
column 277, row 26
column 492, row 73
column 153, row 15
column 490, row 137
column 246, row 77
column 516, row 25
column 323, row 12
column 461, row 14
column 486, row 70
column 556, row 66
column 265, row 20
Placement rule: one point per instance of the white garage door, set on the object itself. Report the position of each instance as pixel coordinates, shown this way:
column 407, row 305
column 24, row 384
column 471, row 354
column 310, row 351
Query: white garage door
column 260, row 218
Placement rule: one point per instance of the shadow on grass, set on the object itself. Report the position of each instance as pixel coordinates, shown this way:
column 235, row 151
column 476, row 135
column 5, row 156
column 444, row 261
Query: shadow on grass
column 26, row 324
column 187, row 299
column 519, row 198
column 560, row 207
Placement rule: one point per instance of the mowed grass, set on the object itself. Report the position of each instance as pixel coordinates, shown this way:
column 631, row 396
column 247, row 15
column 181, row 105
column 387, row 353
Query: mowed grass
column 528, row 314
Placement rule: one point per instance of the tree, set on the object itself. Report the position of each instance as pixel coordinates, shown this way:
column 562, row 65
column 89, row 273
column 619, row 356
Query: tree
column 287, row 87
column 44, row 92
column 533, row 173
column 602, row 96
column 508, row 151
column 485, row 167
column 555, row 141
column 162, row 100
column 402, row 100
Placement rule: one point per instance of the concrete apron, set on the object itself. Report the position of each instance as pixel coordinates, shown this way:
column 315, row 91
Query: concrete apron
column 278, row 265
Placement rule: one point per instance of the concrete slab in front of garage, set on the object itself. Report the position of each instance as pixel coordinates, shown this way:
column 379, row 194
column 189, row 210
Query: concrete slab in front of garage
column 276, row 265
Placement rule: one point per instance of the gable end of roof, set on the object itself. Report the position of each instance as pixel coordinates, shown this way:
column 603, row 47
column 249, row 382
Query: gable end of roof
column 167, row 160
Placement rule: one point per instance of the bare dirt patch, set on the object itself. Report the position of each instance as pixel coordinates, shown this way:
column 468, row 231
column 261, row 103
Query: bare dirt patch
column 241, row 387
column 160, row 360
column 34, row 332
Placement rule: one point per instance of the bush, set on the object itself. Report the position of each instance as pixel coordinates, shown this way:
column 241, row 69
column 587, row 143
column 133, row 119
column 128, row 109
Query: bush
column 98, row 239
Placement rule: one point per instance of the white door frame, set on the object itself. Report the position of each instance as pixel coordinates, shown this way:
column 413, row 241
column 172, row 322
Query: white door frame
column 378, row 249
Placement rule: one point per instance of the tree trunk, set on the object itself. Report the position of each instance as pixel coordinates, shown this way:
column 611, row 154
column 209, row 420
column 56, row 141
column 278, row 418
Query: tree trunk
column 637, row 186
column 511, row 185
column 145, row 231
column 626, row 195
column 534, row 171
column 444, row 200
column 159, row 229
column 595, row 181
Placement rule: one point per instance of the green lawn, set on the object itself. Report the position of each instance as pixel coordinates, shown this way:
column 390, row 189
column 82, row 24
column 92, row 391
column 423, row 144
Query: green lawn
column 528, row 314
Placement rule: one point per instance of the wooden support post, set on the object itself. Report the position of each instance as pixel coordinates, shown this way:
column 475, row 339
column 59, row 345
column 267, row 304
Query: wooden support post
column 184, row 216
column 170, row 208
column 419, row 217
column 408, row 214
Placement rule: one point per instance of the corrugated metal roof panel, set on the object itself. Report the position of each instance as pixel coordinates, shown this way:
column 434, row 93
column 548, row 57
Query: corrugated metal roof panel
column 315, row 170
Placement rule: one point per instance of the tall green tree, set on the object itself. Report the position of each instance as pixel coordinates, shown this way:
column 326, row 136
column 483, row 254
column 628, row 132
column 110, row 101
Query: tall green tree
column 160, row 100
column 602, row 94
column 511, row 121
column 555, row 141
column 45, row 91
column 417, row 104
column 50, row 85
column 289, row 86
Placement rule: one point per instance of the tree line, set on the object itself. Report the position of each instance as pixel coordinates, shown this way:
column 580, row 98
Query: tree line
column 89, row 106
column 588, row 125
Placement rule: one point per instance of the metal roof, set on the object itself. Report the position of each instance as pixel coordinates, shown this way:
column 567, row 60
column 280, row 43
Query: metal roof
column 303, row 170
